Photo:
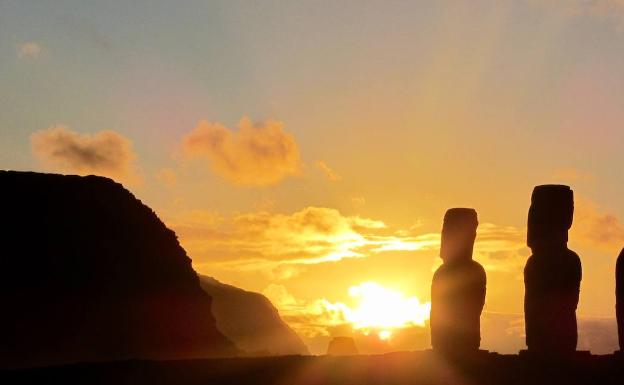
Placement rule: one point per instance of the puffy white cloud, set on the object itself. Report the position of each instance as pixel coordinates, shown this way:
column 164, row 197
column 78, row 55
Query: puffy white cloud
column 256, row 155
column 105, row 153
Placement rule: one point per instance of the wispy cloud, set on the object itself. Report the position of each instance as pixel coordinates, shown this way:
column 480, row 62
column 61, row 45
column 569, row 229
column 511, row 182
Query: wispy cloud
column 29, row 50
column 501, row 248
column 105, row 153
column 282, row 245
column 328, row 171
column 596, row 227
column 269, row 242
column 256, row 155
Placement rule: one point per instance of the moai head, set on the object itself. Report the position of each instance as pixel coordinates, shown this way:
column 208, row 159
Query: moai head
column 458, row 234
column 550, row 216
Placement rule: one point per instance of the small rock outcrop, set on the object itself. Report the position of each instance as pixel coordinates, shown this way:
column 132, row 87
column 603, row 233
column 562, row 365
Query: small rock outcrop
column 89, row 273
column 251, row 321
column 342, row 346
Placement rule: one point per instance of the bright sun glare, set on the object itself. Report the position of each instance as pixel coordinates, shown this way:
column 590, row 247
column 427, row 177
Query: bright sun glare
column 382, row 310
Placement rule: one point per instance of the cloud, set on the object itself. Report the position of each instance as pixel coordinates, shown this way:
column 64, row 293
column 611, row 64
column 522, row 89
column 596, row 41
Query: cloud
column 281, row 245
column 317, row 320
column 375, row 309
column 501, row 248
column 329, row 173
column 596, row 227
column 279, row 296
column 308, row 318
column 105, row 153
column 400, row 324
column 256, row 155
column 29, row 50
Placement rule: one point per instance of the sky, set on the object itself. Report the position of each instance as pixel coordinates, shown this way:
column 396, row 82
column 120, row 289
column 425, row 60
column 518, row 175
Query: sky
column 308, row 150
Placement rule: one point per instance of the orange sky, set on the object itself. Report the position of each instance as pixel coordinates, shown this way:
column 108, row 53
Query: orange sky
column 305, row 149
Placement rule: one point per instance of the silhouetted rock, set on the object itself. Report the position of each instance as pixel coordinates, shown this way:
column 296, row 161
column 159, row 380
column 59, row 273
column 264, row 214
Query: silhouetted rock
column 619, row 295
column 342, row 346
column 552, row 275
column 251, row 321
column 90, row 273
column 458, row 287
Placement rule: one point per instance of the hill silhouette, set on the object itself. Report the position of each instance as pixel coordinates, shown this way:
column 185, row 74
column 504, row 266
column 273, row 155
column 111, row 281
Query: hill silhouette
column 250, row 320
column 90, row 273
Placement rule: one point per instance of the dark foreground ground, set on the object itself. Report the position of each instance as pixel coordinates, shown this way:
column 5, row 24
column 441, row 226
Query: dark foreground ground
column 394, row 368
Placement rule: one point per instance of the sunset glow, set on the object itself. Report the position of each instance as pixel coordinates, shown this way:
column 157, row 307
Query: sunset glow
column 380, row 309
column 308, row 150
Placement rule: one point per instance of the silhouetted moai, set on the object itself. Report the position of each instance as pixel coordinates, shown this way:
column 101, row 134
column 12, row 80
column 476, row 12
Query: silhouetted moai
column 552, row 275
column 458, row 287
column 619, row 298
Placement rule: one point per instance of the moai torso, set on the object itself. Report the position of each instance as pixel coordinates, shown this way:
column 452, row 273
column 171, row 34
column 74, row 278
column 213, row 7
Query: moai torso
column 552, row 275
column 458, row 288
column 457, row 299
column 552, row 283
column 619, row 297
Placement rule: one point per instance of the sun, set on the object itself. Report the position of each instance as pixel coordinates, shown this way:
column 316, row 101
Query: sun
column 381, row 310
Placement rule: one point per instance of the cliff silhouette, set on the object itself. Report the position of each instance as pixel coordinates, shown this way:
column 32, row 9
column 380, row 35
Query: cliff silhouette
column 89, row 273
column 251, row 321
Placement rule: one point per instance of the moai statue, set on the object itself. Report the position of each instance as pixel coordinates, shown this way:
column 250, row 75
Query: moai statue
column 552, row 275
column 458, row 287
column 619, row 298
